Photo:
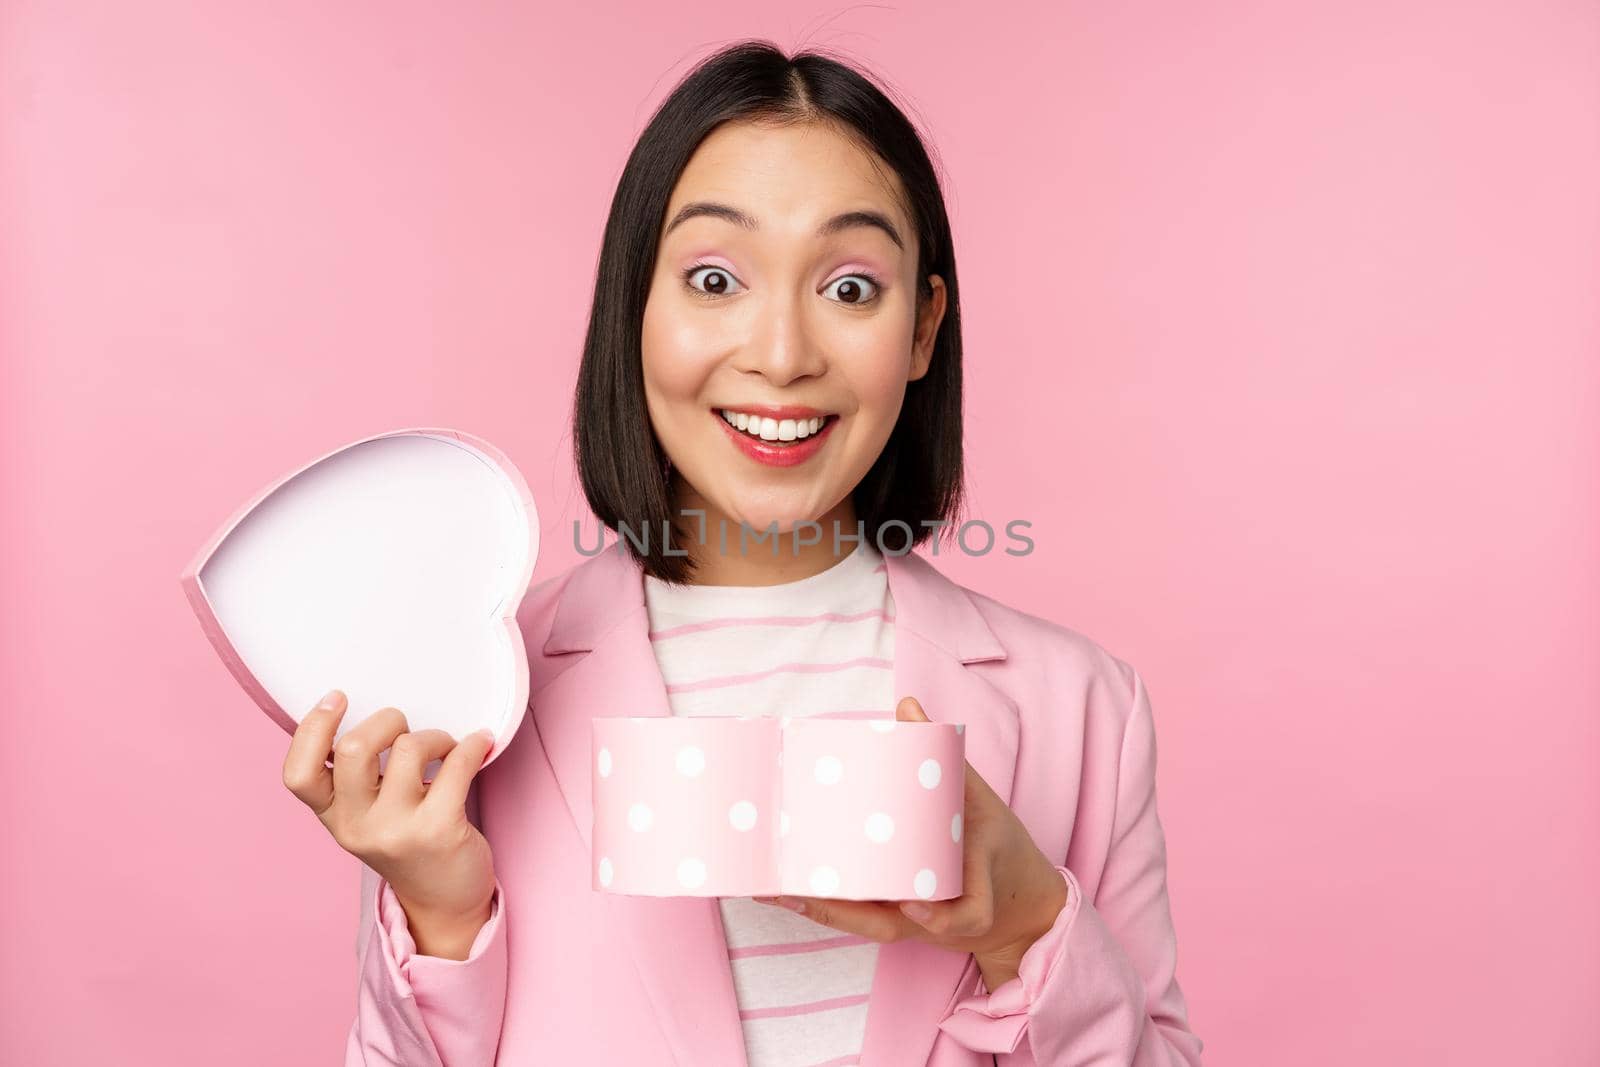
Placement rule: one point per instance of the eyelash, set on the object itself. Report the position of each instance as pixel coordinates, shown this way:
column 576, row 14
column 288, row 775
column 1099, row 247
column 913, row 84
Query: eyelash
column 877, row 286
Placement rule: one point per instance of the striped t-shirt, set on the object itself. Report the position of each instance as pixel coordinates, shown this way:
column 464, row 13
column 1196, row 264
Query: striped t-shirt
column 823, row 645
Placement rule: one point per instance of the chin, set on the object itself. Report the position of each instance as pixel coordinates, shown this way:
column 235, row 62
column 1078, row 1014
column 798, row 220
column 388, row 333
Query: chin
column 758, row 523
column 787, row 517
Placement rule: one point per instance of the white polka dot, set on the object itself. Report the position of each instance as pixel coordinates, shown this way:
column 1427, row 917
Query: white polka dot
column 783, row 824
column 742, row 815
column 829, row 770
column 883, row 726
column 879, row 827
column 961, row 728
column 604, row 760
column 928, row 774
column 955, row 827
column 925, row 883
column 824, row 880
column 691, row 761
column 606, row 870
column 640, row 817
column 691, row 873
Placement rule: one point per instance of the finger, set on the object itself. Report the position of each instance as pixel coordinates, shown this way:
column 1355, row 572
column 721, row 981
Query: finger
column 305, row 767
column 408, row 756
column 969, row 915
column 355, row 758
column 871, row 919
column 448, row 791
column 910, row 710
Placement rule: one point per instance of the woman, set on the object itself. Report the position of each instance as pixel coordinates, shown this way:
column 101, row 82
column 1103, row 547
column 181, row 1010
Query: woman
column 774, row 346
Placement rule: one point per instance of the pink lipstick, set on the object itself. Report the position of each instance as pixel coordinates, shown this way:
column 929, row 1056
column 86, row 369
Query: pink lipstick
column 777, row 453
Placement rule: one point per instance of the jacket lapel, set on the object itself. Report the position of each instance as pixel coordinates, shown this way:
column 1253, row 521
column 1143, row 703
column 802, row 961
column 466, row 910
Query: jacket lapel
column 938, row 631
column 677, row 943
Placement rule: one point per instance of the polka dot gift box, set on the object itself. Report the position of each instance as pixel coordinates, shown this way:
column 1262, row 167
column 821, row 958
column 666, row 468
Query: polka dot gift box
column 755, row 806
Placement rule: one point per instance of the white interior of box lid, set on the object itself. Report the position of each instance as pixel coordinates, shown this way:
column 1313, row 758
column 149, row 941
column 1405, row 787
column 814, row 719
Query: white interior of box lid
column 382, row 571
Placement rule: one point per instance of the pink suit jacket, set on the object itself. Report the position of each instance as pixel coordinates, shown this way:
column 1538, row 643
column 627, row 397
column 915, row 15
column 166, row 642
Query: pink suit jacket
column 564, row 974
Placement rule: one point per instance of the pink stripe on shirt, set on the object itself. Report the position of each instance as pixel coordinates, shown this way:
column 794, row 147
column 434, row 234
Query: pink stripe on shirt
column 719, row 681
column 786, row 948
column 765, row 620
column 804, row 1009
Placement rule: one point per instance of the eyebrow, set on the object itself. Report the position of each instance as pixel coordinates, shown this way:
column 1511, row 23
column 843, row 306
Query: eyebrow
column 837, row 224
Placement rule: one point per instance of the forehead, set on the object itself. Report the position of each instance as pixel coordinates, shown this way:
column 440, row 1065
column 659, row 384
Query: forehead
column 788, row 177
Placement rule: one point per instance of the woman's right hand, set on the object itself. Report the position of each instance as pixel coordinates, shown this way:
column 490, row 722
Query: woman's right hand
column 416, row 836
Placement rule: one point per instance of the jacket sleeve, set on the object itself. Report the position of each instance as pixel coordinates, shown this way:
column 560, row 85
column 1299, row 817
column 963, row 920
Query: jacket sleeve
column 423, row 1011
column 1100, row 987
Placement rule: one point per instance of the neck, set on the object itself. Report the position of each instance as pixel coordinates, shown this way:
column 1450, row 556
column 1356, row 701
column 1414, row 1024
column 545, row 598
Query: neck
column 759, row 563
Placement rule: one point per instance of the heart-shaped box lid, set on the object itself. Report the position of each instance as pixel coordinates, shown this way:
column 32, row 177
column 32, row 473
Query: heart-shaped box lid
column 390, row 568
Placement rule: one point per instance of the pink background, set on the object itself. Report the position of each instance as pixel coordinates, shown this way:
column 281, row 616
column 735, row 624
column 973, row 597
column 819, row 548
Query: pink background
column 1281, row 328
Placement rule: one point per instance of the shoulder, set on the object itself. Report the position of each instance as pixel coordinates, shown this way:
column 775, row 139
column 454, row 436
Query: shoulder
column 1085, row 724
column 537, row 612
column 536, row 617
column 1049, row 661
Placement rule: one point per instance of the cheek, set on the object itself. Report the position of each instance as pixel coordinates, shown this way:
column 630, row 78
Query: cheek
column 676, row 358
column 877, row 374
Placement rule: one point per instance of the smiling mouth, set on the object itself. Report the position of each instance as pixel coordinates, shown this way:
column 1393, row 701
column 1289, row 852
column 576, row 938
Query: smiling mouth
column 778, row 432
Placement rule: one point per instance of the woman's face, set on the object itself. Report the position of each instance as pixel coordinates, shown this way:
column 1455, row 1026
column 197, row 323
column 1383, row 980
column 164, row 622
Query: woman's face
column 776, row 302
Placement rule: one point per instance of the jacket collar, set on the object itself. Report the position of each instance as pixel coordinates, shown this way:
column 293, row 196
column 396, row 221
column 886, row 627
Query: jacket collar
column 677, row 943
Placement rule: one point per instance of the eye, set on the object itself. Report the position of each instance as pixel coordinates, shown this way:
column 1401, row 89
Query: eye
column 855, row 289
column 717, row 279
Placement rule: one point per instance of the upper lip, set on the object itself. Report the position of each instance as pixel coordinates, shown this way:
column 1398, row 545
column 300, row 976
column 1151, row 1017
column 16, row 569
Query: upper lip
column 775, row 411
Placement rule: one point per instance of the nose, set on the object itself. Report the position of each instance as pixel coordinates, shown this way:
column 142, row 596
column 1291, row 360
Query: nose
column 781, row 347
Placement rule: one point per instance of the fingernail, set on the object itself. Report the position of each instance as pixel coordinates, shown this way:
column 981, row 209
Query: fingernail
column 917, row 910
column 329, row 701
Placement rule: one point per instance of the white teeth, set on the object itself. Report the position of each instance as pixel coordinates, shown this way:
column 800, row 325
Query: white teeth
column 772, row 429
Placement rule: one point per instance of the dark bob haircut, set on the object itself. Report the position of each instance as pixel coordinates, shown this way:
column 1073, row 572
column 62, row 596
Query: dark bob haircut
column 917, row 479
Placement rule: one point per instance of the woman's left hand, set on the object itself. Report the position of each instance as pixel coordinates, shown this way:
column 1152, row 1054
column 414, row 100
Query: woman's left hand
column 1011, row 892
